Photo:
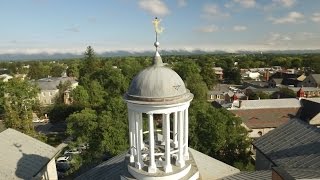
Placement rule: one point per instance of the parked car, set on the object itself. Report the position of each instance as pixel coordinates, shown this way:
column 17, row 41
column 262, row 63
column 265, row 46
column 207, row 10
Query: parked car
column 63, row 159
column 72, row 151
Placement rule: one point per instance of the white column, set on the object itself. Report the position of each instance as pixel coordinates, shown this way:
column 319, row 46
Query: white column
column 163, row 129
column 175, row 130
column 139, row 162
column 141, row 130
column 152, row 166
column 167, row 167
column 134, row 135
column 180, row 162
column 131, row 139
column 186, row 134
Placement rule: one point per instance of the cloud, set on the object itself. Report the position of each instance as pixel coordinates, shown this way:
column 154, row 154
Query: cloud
column 292, row 17
column 285, row 3
column 73, row 29
column 246, row 3
column 315, row 17
column 182, row 3
column 154, row 7
column 208, row 29
column 211, row 11
column 239, row 28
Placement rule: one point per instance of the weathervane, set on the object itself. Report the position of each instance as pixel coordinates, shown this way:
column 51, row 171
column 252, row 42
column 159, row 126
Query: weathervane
column 157, row 29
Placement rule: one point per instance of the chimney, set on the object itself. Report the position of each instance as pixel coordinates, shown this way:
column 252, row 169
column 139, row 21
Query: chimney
column 240, row 102
column 267, row 75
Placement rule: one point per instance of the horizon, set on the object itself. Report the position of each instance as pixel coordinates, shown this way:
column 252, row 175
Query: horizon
column 47, row 26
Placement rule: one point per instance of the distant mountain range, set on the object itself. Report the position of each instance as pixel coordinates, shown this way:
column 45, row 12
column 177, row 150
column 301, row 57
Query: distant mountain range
column 57, row 56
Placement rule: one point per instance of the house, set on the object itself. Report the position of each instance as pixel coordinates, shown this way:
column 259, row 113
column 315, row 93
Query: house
column 283, row 78
column 262, row 116
column 23, row 157
column 309, row 92
column 218, row 93
column 313, row 80
column 294, row 147
column 219, row 72
column 49, row 88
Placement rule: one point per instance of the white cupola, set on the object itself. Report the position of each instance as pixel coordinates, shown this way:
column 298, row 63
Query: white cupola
column 158, row 96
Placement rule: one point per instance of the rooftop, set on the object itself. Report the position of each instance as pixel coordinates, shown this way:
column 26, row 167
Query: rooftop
column 295, row 144
column 22, row 156
column 208, row 167
column 270, row 103
column 263, row 118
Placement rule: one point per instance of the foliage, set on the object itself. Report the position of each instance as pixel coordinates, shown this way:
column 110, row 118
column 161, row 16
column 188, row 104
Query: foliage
column 19, row 100
column 232, row 76
column 258, row 95
column 60, row 112
column 283, row 93
column 63, row 86
column 218, row 133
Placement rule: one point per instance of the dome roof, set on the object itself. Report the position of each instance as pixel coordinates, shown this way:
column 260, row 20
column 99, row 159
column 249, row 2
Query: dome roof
column 157, row 82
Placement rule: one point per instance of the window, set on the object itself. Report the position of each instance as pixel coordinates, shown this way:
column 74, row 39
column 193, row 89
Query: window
column 50, row 93
column 260, row 133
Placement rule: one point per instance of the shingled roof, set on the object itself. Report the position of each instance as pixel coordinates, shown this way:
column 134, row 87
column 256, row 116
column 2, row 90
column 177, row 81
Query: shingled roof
column 266, row 117
column 295, row 144
column 250, row 175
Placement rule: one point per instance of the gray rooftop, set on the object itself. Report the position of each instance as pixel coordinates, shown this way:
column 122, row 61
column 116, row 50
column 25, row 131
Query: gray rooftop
column 295, row 144
column 158, row 83
column 52, row 83
column 270, row 103
column 250, row 175
column 316, row 77
column 208, row 167
column 21, row 156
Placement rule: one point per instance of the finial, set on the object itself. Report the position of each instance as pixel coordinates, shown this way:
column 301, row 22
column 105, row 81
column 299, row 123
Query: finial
column 157, row 61
column 157, row 29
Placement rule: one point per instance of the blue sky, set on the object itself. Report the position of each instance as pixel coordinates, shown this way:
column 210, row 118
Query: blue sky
column 33, row 26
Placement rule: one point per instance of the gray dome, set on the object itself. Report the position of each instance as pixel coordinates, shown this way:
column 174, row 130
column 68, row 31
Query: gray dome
column 157, row 82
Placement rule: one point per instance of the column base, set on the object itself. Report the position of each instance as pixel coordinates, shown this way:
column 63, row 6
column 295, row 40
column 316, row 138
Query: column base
column 186, row 156
column 152, row 169
column 180, row 164
column 167, row 168
column 139, row 165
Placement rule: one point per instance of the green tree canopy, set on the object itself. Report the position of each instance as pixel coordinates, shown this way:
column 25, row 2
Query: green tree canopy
column 20, row 98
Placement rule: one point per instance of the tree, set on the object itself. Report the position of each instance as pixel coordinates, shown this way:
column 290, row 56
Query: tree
column 283, row 93
column 91, row 63
column 80, row 96
column 232, row 75
column 103, row 132
column 257, row 95
column 19, row 100
column 57, row 70
column 218, row 133
column 208, row 75
column 63, row 86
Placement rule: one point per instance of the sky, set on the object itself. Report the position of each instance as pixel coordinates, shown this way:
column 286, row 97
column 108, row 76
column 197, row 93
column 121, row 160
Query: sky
column 69, row 26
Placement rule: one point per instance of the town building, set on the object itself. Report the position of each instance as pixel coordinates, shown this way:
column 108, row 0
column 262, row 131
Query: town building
column 313, row 80
column 49, row 89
